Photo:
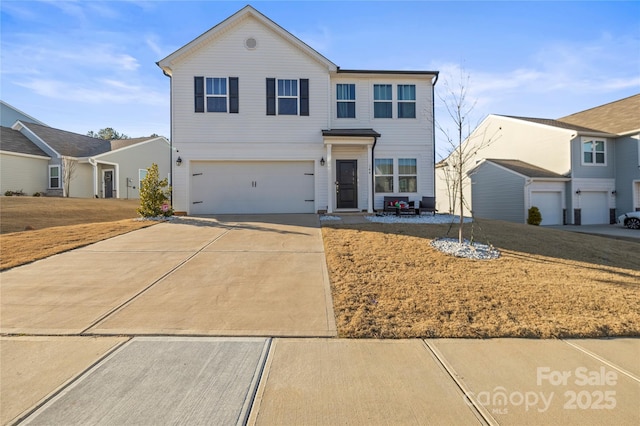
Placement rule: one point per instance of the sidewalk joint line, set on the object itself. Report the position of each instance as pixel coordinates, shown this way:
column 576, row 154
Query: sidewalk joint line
column 247, row 406
column 604, row 361
column 144, row 290
column 475, row 406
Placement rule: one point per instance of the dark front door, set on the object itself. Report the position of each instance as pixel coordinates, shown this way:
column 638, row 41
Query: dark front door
column 108, row 184
column 347, row 184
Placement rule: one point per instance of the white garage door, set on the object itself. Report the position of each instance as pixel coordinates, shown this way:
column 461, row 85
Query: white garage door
column 594, row 208
column 246, row 187
column 550, row 205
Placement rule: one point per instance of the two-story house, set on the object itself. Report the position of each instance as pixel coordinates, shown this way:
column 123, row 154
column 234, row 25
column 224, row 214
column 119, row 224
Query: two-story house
column 263, row 123
column 581, row 169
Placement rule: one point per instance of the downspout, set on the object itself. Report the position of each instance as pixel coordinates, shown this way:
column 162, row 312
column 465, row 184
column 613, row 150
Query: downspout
column 433, row 129
column 373, row 173
column 170, row 133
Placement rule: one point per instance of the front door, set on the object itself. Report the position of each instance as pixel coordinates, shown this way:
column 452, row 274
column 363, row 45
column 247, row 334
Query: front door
column 347, row 184
column 108, row 184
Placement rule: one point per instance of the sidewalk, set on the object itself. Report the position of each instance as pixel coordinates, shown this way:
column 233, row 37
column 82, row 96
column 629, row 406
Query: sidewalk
column 208, row 380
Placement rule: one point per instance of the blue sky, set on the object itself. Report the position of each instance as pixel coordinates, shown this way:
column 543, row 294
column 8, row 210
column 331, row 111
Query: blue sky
column 85, row 65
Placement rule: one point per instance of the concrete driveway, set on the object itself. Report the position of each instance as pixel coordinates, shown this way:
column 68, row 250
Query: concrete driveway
column 249, row 276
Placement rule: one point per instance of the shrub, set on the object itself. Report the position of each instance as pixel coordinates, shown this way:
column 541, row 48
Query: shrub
column 534, row 217
column 8, row 193
column 154, row 195
column 37, row 194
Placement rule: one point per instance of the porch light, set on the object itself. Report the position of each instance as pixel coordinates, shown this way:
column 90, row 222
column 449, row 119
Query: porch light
column 178, row 161
column 322, row 161
column 614, row 192
column 578, row 192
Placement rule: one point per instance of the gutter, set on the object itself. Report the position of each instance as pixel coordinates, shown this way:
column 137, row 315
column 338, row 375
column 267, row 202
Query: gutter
column 373, row 174
column 164, row 71
column 433, row 128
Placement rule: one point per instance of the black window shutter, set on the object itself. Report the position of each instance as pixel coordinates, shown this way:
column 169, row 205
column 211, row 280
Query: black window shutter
column 304, row 96
column 198, row 91
column 271, row 96
column 233, row 95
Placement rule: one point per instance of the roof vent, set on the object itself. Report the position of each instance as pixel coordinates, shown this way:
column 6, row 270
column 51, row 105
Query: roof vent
column 251, row 43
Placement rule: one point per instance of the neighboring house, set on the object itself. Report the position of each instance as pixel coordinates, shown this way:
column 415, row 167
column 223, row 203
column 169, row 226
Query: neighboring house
column 33, row 158
column 581, row 169
column 9, row 115
column 262, row 123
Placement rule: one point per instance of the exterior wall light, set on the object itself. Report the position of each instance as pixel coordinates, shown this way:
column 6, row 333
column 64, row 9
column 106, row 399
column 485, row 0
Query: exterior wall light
column 179, row 161
column 322, row 161
column 578, row 192
column 614, row 192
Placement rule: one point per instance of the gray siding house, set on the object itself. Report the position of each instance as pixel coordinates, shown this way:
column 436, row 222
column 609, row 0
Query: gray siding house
column 592, row 158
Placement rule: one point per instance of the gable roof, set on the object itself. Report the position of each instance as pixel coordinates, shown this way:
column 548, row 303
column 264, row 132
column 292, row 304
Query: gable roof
column 14, row 141
column 247, row 11
column 554, row 123
column 10, row 114
column 71, row 144
column 619, row 117
column 526, row 169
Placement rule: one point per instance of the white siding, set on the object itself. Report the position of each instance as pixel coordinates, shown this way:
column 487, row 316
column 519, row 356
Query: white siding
column 18, row 172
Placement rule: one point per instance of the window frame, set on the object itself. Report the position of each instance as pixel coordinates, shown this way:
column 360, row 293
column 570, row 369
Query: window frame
column 285, row 96
column 593, row 152
column 408, row 175
column 384, row 175
column 404, row 102
column 215, row 95
column 141, row 178
column 341, row 101
column 383, row 101
column 59, row 177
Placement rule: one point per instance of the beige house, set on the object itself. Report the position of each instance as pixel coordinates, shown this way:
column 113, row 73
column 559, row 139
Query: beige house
column 580, row 169
column 38, row 158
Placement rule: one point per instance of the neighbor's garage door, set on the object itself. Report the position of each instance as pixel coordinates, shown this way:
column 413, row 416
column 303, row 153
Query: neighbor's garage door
column 550, row 205
column 239, row 187
column 594, row 208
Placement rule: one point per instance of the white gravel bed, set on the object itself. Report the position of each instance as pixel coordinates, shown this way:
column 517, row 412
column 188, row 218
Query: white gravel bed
column 476, row 251
column 424, row 218
column 325, row 217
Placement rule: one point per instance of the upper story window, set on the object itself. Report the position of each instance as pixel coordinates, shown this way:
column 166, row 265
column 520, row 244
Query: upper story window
column 216, row 94
column 287, row 96
column 384, row 175
column 54, row 177
column 406, row 101
column 346, row 97
column 382, row 101
column 593, row 152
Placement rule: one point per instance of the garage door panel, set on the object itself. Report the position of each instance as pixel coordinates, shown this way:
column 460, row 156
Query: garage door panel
column 246, row 187
column 550, row 205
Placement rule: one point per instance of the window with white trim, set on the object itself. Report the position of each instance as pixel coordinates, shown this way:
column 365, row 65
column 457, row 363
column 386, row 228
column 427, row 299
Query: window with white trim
column 346, row 98
column 382, row 101
column 384, row 175
column 54, row 177
column 407, row 175
column 406, row 101
column 594, row 152
column 287, row 97
column 142, row 173
column 216, row 92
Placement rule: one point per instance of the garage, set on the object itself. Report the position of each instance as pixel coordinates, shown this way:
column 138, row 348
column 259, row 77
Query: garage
column 252, row 187
column 594, row 207
column 550, row 205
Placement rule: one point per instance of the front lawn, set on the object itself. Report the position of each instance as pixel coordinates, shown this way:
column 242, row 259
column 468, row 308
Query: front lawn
column 388, row 282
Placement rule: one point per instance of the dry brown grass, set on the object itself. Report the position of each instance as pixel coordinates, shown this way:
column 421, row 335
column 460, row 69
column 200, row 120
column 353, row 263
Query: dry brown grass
column 388, row 282
column 17, row 213
column 60, row 224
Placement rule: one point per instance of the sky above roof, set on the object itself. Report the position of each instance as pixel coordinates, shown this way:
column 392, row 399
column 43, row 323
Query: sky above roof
column 85, row 65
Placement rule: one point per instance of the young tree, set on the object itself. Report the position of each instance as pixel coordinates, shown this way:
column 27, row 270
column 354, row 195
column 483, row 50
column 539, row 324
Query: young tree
column 154, row 195
column 68, row 173
column 463, row 145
